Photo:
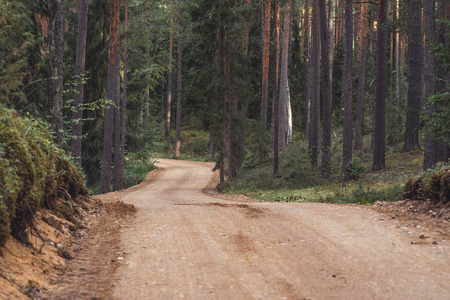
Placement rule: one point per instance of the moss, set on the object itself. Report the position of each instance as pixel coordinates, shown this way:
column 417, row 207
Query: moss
column 32, row 170
column 433, row 185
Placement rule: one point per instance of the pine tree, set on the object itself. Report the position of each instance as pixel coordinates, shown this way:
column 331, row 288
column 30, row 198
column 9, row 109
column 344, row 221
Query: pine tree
column 80, row 64
column 113, row 84
column 379, row 130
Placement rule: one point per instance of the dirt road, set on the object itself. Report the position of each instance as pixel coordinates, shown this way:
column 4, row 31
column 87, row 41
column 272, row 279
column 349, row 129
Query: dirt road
column 185, row 244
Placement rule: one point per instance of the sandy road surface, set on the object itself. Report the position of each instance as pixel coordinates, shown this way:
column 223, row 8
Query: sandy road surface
column 185, row 244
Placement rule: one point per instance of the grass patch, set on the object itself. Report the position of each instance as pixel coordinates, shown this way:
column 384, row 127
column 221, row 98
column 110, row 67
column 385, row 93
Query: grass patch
column 299, row 182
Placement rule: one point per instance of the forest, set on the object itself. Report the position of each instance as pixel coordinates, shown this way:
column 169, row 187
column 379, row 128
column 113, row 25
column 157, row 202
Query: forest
column 113, row 115
column 116, row 82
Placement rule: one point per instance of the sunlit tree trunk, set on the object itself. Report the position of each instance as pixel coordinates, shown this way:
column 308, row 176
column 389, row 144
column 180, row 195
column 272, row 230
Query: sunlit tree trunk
column 112, row 85
column 80, row 62
column 282, row 138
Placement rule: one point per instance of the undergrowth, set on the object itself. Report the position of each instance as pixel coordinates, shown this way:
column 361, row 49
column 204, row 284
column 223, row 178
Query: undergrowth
column 34, row 173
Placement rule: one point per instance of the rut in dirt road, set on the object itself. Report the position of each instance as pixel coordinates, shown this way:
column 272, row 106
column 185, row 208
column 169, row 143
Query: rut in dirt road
column 185, row 244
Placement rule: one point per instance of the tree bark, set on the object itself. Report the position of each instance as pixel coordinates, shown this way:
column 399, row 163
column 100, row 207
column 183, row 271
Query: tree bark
column 275, row 88
column 315, row 85
column 307, row 64
column 348, row 90
column 265, row 79
column 432, row 146
column 359, row 126
column 415, row 83
column 379, row 133
column 282, row 138
column 179, row 91
column 113, row 81
column 80, row 64
column 325, row 90
column 169, row 83
column 56, row 64
column 123, row 126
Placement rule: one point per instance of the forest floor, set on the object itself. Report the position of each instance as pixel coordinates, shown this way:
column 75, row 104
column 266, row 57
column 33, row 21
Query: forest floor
column 187, row 241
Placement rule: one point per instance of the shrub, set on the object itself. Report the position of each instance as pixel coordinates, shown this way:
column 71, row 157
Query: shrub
column 433, row 185
column 32, row 171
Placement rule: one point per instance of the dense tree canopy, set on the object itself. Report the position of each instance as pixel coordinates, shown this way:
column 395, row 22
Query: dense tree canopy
column 231, row 59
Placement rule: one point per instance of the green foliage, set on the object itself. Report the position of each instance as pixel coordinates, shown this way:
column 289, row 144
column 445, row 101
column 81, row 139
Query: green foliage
column 356, row 168
column 15, row 44
column 438, row 119
column 33, row 172
column 137, row 168
column 361, row 195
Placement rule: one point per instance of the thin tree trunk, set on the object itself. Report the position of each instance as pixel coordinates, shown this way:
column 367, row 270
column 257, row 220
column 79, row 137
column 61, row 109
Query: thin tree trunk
column 398, row 71
column 379, row 133
column 80, row 63
column 283, row 80
column 415, row 83
column 359, row 126
column 123, row 126
column 432, row 146
column 348, row 90
column 169, row 84
column 56, row 64
column 113, row 82
column 326, row 89
column 265, row 79
column 315, row 86
column 306, row 55
column 275, row 88
column 288, row 114
column 179, row 92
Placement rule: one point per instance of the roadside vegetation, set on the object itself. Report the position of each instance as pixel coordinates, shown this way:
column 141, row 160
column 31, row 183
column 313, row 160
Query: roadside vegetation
column 297, row 181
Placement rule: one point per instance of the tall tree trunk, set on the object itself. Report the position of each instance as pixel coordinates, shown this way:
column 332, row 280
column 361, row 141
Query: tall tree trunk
column 415, row 83
column 315, row 85
column 306, row 55
column 288, row 114
column 113, row 82
column 325, row 89
column 169, row 84
column 56, row 64
column 348, row 90
column 432, row 146
column 179, row 91
column 246, row 29
column 275, row 98
column 398, row 71
column 123, row 126
column 265, row 79
column 379, row 131
column 80, row 63
column 284, row 77
column 359, row 126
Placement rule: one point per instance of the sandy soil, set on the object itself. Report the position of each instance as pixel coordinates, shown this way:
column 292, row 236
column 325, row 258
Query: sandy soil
column 187, row 244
